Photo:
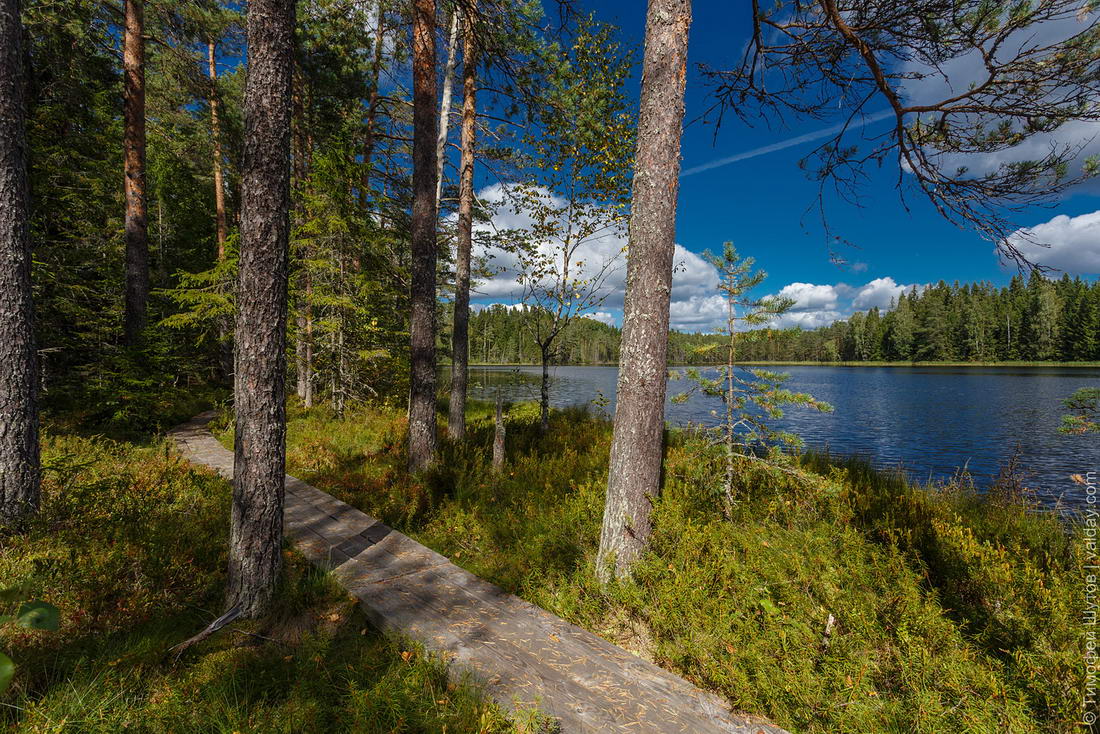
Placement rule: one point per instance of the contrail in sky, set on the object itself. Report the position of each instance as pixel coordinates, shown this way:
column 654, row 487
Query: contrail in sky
column 788, row 143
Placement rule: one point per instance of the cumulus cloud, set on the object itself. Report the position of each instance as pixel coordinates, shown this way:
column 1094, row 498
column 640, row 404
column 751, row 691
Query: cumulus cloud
column 692, row 277
column 879, row 293
column 1074, row 243
column 810, row 297
column 695, row 305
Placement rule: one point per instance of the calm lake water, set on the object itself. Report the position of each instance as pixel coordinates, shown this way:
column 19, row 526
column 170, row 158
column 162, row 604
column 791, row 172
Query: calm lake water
column 930, row 420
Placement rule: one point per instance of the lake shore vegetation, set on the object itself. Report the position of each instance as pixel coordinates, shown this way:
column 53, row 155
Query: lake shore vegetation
column 843, row 599
column 1032, row 321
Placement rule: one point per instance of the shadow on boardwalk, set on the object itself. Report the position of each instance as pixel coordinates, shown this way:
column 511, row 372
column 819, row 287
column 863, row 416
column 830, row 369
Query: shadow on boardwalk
column 524, row 656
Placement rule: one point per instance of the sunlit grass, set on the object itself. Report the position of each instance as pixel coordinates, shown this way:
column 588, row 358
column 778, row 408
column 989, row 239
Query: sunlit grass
column 131, row 546
column 952, row 612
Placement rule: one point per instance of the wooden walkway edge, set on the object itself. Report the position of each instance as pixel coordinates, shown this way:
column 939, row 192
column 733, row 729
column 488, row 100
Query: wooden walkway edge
column 524, row 656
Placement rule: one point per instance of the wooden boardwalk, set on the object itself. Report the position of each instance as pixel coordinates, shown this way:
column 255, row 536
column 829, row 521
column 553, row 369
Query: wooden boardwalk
column 524, row 656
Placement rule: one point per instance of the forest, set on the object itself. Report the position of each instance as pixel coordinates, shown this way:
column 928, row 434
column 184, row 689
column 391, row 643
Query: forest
column 238, row 248
column 1033, row 319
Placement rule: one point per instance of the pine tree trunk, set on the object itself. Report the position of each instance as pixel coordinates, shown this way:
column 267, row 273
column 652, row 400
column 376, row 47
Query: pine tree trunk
column 422, row 433
column 636, row 446
column 255, row 551
column 445, row 108
column 19, row 465
column 137, row 225
column 215, row 134
column 460, row 335
column 225, row 332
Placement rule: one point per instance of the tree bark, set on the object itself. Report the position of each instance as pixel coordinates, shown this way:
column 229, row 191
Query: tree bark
column 636, row 446
column 215, row 134
column 445, row 108
column 19, row 463
column 137, row 225
column 260, row 391
column 422, row 433
column 460, row 334
column 225, row 333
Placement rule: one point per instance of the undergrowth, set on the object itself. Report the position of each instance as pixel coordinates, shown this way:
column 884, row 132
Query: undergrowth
column 951, row 612
column 131, row 546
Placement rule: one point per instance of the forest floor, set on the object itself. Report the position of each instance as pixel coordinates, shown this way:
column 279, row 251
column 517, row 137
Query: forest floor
column 131, row 545
column 951, row 611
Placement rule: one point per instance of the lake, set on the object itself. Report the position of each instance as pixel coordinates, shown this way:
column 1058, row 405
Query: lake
column 931, row 421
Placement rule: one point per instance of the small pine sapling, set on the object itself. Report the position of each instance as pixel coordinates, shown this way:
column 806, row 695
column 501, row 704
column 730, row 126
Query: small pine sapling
column 752, row 399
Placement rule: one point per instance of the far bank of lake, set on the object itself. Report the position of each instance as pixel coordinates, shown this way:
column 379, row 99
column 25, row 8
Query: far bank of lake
column 933, row 420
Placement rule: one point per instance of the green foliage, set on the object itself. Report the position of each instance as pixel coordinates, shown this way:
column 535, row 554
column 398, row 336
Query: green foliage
column 1029, row 321
column 1084, row 416
column 579, row 147
column 953, row 612
column 131, row 546
column 752, row 398
column 32, row 615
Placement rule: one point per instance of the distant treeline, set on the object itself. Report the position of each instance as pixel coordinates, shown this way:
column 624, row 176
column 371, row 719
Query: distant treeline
column 1033, row 319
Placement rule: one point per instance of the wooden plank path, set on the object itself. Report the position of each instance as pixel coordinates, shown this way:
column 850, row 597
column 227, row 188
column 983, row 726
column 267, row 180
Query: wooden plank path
column 524, row 656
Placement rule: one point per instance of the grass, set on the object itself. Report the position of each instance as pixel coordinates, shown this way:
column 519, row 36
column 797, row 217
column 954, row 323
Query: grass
column 952, row 612
column 131, row 546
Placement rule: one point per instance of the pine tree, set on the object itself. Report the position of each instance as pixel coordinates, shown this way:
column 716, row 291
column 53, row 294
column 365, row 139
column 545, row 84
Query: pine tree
column 636, row 445
column 256, row 529
column 19, row 462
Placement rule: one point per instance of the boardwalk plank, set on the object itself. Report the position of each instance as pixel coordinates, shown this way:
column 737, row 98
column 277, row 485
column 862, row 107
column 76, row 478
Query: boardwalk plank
column 523, row 655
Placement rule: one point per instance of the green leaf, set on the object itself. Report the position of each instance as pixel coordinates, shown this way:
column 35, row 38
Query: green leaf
column 7, row 671
column 768, row 606
column 38, row 615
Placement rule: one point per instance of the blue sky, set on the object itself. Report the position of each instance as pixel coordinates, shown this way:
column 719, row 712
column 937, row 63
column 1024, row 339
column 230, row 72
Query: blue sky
column 766, row 204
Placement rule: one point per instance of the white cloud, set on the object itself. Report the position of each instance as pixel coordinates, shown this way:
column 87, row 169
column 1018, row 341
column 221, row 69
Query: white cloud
column 698, row 313
column 1074, row 243
column 879, row 293
column 696, row 304
column 810, row 297
column 806, row 319
column 693, row 277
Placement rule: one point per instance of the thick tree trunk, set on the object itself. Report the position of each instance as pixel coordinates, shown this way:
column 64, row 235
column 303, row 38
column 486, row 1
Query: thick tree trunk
column 137, row 225
column 636, row 446
column 445, row 108
column 19, row 466
column 422, row 434
column 260, row 393
column 460, row 335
